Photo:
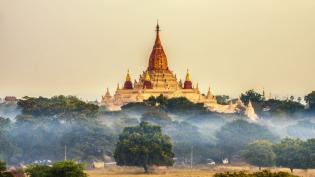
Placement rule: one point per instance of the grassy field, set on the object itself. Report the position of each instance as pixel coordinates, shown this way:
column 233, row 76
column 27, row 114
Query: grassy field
column 183, row 172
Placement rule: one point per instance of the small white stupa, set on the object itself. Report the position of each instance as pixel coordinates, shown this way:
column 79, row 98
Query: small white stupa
column 250, row 112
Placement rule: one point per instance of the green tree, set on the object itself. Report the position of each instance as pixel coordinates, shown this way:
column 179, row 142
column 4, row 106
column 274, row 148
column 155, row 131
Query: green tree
column 162, row 101
column 252, row 95
column 151, row 101
column 2, row 166
column 310, row 100
column 283, row 108
column 68, row 108
column 223, row 99
column 309, row 148
column 234, row 136
column 183, row 105
column 259, row 153
column 3, row 172
column 175, row 105
column 67, row 169
column 60, row 169
column 143, row 145
column 290, row 153
column 38, row 171
column 265, row 173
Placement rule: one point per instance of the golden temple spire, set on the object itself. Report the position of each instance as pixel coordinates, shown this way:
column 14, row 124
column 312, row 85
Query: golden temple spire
column 157, row 26
column 128, row 78
column 157, row 39
column 158, row 59
column 209, row 94
column 147, row 76
column 187, row 76
column 107, row 94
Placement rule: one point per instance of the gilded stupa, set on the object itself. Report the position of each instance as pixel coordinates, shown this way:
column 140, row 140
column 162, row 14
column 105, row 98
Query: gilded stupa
column 158, row 79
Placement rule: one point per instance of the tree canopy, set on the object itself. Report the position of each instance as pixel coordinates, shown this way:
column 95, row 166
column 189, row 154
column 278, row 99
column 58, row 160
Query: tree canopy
column 60, row 169
column 178, row 105
column 259, row 153
column 252, row 95
column 63, row 107
column 223, row 99
column 295, row 153
column 282, row 108
column 143, row 145
column 310, row 100
column 290, row 154
column 2, row 166
column 264, row 173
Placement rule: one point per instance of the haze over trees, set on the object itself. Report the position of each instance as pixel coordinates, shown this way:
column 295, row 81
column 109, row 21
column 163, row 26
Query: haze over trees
column 234, row 136
column 47, row 125
column 44, row 126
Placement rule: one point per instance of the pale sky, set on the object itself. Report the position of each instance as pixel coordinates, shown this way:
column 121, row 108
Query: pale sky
column 81, row 47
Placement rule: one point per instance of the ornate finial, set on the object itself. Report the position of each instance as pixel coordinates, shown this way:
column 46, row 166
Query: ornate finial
column 209, row 94
column 263, row 93
column 147, row 76
column 157, row 26
column 107, row 94
column 128, row 78
column 187, row 76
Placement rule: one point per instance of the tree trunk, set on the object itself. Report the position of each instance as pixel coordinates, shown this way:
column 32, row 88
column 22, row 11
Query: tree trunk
column 145, row 167
column 259, row 168
column 291, row 169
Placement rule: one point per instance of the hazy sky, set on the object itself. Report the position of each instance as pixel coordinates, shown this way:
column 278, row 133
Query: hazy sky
column 80, row 47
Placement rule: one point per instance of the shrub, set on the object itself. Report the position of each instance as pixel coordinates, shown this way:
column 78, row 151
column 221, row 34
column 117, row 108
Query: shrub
column 265, row 173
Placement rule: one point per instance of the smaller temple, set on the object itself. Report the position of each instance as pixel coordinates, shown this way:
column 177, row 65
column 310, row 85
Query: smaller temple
column 147, row 81
column 128, row 83
column 250, row 112
column 188, row 83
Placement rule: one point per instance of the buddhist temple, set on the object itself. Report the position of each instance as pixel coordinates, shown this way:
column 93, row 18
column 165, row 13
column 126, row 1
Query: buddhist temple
column 158, row 79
